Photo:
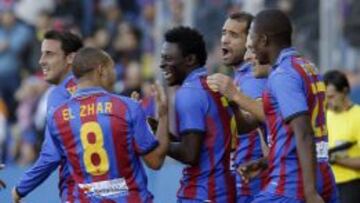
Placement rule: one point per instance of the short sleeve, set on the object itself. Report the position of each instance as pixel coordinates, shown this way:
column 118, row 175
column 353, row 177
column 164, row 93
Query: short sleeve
column 254, row 87
column 289, row 93
column 191, row 105
column 144, row 139
column 56, row 97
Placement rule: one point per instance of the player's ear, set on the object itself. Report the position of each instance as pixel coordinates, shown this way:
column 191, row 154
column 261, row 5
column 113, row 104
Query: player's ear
column 264, row 39
column 100, row 70
column 190, row 59
column 70, row 58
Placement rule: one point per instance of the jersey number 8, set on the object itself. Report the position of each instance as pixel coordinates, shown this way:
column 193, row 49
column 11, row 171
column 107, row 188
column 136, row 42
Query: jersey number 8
column 95, row 157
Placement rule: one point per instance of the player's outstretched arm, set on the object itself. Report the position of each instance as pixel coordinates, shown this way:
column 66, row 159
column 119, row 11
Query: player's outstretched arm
column 47, row 162
column 155, row 158
column 307, row 155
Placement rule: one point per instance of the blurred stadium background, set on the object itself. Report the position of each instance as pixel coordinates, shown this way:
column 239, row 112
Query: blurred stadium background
column 326, row 31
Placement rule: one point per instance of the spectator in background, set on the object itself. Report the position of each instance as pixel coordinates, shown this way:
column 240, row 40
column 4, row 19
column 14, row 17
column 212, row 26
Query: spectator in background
column 111, row 16
column 44, row 22
column 28, row 95
column 344, row 136
column 147, row 26
column 351, row 35
column 148, row 100
column 29, row 10
column 126, row 53
column 14, row 38
column 132, row 79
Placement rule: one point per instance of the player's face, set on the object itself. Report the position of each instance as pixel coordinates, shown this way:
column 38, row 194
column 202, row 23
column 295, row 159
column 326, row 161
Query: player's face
column 259, row 71
column 53, row 61
column 256, row 44
column 335, row 99
column 233, row 40
column 172, row 64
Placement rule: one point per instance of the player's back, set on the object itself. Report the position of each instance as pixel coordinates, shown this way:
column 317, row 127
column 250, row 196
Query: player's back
column 103, row 135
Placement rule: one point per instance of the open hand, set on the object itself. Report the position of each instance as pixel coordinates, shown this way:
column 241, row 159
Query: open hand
column 160, row 99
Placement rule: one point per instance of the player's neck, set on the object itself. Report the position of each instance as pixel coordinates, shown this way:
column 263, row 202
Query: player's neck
column 275, row 51
column 238, row 65
column 86, row 82
column 63, row 76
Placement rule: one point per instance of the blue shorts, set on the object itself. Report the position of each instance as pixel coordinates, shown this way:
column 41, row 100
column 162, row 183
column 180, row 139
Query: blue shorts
column 266, row 197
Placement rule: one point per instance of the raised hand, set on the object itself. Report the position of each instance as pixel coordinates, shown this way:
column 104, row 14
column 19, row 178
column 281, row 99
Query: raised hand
column 221, row 83
column 135, row 96
column 160, row 99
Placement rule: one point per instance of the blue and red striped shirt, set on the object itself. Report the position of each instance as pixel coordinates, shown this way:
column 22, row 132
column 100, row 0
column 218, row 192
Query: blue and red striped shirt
column 102, row 136
column 294, row 87
column 49, row 158
column 249, row 144
column 198, row 109
column 148, row 105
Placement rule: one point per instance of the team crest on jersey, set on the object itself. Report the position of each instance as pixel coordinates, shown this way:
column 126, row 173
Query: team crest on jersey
column 115, row 187
column 72, row 89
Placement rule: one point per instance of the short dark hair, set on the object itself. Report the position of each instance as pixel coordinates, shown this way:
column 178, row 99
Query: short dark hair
column 189, row 40
column 242, row 17
column 69, row 41
column 338, row 79
column 87, row 59
column 275, row 24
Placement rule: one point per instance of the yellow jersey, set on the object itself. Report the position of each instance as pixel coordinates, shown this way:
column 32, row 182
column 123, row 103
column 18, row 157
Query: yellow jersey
column 345, row 127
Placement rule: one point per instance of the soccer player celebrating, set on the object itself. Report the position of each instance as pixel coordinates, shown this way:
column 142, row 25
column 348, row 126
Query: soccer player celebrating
column 204, row 121
column 234, row 34
column 57, row 53
column 103, row 135
column 294, row 110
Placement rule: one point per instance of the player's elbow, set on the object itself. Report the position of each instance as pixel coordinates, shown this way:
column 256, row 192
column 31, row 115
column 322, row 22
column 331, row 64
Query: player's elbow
column 153, row 160
column 192, row 159
column 155, row 165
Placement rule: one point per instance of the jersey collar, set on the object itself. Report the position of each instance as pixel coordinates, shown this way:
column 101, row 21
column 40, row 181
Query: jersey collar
column 68, row 77
column 243, row 67
column 88, row 90
column 195, row 74
column 291, row 51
